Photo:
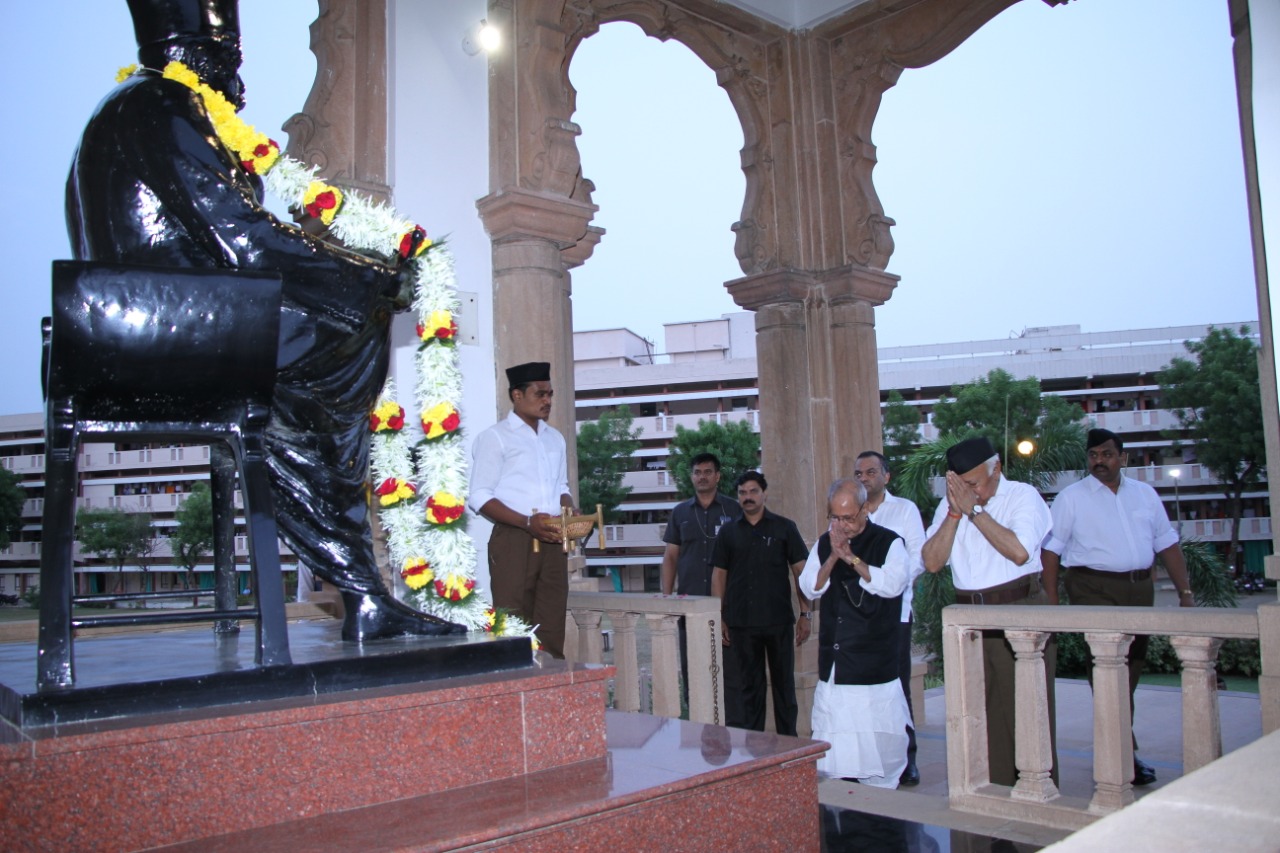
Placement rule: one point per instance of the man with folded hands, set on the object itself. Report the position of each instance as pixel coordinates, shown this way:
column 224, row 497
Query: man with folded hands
column 991, row 529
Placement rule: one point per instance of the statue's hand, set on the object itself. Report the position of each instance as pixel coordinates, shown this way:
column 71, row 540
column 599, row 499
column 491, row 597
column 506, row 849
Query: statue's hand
column 404, row 282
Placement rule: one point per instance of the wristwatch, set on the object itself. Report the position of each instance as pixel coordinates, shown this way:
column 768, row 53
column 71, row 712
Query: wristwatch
column 975, row 512
column 808, row 614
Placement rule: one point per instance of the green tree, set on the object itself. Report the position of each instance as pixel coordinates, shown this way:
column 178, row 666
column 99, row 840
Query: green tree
column 734, row 444
column 901, row 429
column 12, row 496
column 193, row 537
column 116, row 536
column 604, row 455
column 1006, row 411
column 1217, row 401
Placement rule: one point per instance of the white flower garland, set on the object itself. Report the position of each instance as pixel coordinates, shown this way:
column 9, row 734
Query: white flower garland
column 420, row 473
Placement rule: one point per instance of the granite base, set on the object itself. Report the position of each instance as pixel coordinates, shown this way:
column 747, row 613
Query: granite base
column 145, row 781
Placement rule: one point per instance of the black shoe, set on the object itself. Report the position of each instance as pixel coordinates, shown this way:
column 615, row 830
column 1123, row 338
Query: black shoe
column 1143, row 773
column 910, row 776
column 370, row 617
column 851, row 779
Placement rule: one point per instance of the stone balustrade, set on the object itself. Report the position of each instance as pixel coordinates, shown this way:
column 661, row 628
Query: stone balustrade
column 1195, row 635
column 662, row 613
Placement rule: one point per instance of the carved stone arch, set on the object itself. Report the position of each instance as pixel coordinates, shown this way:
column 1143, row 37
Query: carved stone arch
column 734, row 45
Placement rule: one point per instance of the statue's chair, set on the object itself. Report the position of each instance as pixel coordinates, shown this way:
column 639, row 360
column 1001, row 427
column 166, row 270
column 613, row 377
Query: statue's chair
column 150, row 353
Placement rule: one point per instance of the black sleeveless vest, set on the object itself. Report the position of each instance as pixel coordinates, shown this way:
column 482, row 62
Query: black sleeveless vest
column 858, row 632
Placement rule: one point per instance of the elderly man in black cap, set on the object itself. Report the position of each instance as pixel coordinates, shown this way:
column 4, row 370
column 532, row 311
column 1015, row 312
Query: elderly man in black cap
column 152, row 184
column 1107, row 532
column 520, row 471
column 991, row 531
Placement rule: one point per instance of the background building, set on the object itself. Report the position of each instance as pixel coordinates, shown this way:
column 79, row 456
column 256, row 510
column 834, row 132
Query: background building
column 707, row 371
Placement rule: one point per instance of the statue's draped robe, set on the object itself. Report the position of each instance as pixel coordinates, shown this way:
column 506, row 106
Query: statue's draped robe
column 151, row 184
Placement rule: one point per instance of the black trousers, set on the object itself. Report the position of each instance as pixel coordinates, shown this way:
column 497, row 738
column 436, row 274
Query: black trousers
column 745, row 658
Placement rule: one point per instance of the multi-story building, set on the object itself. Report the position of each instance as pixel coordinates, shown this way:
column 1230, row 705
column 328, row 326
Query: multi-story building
column 150, row 478
column 708, row 371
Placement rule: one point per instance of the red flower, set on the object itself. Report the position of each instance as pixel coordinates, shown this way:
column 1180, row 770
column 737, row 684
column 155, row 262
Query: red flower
column 262, row 150
column 451, row 422
column 410, row 240
column 445, row 334
column 325, row 201
column 249, row 167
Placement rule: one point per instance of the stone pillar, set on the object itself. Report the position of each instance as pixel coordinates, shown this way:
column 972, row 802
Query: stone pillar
column 1201, row 724
column 1112, row 722
column 1269, row 678
column 665, row 652
column 626, row 691
column 1034, row 755
column 590, row 645
column 968, row 762
column 532, row 313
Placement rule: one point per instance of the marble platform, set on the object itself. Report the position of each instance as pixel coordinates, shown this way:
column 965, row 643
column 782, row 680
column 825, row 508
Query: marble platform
column 525, row 758
column 140, row 672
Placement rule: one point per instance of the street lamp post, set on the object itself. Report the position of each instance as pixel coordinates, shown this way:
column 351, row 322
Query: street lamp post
column 1176, row 474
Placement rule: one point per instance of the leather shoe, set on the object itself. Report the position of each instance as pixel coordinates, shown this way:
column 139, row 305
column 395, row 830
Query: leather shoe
column 1143, row 773
column 910, row 776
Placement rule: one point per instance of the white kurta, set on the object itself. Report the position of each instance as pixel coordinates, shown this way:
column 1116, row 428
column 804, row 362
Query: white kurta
column 866, row 725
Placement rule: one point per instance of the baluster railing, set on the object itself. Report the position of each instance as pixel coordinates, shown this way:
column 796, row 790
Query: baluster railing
column 1196, row 636
column 662, row 615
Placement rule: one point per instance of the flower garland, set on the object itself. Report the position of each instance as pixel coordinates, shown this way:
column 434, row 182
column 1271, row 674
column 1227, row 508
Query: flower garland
column 422, row 483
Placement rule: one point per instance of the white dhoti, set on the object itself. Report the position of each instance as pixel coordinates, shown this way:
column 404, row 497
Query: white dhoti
column 866, row 725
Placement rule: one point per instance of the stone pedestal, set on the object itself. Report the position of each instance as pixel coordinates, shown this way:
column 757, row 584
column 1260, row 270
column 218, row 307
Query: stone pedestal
column 527, row 758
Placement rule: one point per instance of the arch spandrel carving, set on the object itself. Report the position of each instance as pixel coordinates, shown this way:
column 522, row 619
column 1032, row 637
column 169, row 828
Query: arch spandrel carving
column 342, row 127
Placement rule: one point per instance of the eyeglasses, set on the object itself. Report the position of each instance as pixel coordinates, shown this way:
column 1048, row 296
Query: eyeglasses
column 847, row 519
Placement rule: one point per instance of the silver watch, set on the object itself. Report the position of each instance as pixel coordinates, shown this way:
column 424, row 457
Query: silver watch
column 975, row 512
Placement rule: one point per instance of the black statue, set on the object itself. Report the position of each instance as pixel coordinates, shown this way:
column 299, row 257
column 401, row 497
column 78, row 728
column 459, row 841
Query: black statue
column 151, row 184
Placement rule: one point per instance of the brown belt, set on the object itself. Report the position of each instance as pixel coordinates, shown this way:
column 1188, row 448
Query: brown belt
column 1133, row 576
column 1004, row 595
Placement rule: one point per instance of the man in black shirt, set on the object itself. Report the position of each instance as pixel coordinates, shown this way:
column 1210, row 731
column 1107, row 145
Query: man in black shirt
column 690, row 537
column 755, row 561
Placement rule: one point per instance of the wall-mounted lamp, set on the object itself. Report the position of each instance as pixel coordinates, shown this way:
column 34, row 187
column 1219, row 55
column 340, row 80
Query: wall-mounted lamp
column 483, row 36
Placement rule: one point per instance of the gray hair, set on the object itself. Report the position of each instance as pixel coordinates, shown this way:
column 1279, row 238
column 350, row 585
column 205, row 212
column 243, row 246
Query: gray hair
column 991, row 464
column 847, row 484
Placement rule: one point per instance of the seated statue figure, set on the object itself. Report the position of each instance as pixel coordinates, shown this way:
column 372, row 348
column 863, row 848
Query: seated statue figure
column 151, row 184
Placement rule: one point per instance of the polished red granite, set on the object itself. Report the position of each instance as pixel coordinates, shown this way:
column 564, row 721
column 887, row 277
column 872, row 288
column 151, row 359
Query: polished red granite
column 664, row 785
column 147, row 781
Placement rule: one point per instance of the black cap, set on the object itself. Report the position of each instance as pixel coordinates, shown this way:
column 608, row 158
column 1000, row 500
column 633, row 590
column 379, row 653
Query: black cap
column 969, row 454
column 158, row 21
column 1102, row 436
column 532, row 371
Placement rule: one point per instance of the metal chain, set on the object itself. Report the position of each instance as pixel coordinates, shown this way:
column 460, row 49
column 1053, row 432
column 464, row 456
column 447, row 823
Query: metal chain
column 715, row 674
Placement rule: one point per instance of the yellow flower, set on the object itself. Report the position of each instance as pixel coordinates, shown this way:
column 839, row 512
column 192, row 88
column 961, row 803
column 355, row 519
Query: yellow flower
column 125, row 72
column 393, row 490
column 443, row 508
column 387, row 417
column 416, row 572
column 322, row 201
column 439, row 420
column 454, row 587
column 256, row 152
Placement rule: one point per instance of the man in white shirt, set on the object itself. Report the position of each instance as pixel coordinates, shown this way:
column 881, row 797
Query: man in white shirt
column 1107, row 532
column 856, row 573
column 900, row 515
column 991, row 530
column 519, row 471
